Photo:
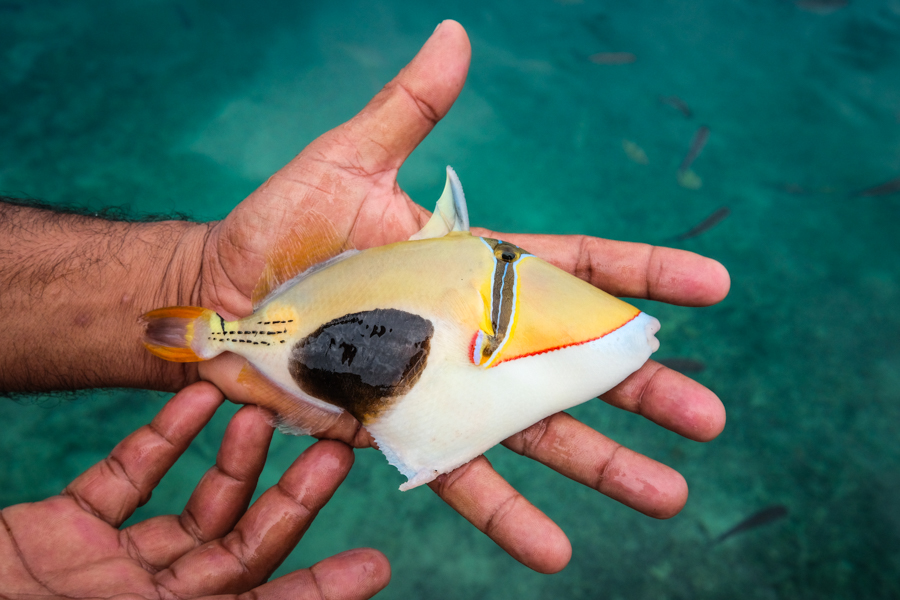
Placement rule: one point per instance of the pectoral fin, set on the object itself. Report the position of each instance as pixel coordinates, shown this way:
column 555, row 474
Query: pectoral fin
column 293, row 415
column 450, row 214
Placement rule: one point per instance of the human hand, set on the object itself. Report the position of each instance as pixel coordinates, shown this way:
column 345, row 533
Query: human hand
column 71, row 545
column 349, row 175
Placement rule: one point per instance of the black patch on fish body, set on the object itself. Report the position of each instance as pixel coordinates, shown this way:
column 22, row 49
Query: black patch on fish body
column 360, row 361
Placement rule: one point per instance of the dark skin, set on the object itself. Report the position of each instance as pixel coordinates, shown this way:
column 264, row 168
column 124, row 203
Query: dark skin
column 73, row 545
column 349, row 175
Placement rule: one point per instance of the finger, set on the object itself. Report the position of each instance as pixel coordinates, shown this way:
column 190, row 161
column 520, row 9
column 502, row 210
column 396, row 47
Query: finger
column 267, row 533
column 630, row 269
column 575, row 450
column 217, row 503
column 113, row 488
column 224, row 371
column 399, row 117
column 486, row 500
column 350, row 575
column 672, row 400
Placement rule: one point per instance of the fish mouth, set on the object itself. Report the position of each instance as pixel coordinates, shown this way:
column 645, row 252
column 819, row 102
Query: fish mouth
column 650, row 329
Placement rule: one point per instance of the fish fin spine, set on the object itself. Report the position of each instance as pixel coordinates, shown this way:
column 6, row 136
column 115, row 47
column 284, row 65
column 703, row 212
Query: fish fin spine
column 176, row 333
column 450, row 214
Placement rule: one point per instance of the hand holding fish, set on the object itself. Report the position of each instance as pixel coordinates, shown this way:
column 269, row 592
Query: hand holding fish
column 74, row 546
column 341, row 194
column 348, row 176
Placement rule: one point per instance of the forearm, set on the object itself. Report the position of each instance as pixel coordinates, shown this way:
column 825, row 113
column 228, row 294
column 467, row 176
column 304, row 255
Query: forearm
column 72, row 289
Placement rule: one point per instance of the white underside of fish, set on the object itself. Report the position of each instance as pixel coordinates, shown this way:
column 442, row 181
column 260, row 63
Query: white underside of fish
column 457, row 412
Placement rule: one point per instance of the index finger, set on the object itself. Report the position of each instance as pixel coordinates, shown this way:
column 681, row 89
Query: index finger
column 630, row 269
column 113, row 488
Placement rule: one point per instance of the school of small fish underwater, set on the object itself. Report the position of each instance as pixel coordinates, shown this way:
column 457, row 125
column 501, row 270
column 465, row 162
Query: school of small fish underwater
column 765, row 135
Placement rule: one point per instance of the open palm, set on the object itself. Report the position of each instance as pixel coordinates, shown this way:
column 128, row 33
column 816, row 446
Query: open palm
column 71, row 545
column 349, row 177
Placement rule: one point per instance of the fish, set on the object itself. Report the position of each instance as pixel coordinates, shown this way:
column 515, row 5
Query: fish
column 678, row 104
column 697, row 143
column 884, row 189
column 706, row 224
column 685, row 176
column 612, row 58
column 821, row 7
column 770, row 514
column 795, row 189
column 688, row 179
column 183, row 17
column 635, row 152
column 441, row 346
column 682, row 365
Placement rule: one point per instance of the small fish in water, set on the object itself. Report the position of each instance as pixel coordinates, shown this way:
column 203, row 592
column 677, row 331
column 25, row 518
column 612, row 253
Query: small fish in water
column 764, row 517
column 795, row 189
column 183, row 17
column 441, row 346
column 686, row 177
column 678, row 104
column 696, row 148
column 889, row 187
column 635, row 152
column 682, row 365
column 613, row 58
column 706, row 224
column 821, row 7
column 689, row 180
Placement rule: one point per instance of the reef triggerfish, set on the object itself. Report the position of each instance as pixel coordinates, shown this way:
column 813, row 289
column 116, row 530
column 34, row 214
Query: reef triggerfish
column 441, row 346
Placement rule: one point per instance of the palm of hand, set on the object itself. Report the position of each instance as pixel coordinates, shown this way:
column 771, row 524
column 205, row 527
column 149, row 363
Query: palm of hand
column 349, row 176
column 72, row 556
column 71, row 546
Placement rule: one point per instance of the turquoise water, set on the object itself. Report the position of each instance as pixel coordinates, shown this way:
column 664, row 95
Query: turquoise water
column 160, row 106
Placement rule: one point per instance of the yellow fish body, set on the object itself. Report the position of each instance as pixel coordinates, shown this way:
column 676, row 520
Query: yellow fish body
column 441, row 346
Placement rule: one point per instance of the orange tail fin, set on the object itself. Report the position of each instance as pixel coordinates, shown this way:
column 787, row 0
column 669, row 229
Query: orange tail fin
column 170, row 332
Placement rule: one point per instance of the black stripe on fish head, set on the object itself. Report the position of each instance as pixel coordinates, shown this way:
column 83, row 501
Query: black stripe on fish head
column 362, row 361
column 506, row 257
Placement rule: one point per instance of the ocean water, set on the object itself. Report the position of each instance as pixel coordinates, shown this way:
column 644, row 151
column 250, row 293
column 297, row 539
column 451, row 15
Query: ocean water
column 158, row 106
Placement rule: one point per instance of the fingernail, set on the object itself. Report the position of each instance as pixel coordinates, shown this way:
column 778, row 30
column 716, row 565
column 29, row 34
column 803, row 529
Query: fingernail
column 436, row 28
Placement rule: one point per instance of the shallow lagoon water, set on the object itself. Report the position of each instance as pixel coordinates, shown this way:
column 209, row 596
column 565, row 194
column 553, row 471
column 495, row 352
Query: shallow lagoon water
column 185, row 107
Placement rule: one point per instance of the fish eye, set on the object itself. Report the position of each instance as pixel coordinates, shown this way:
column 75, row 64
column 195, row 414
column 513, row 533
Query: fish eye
column 507, row 252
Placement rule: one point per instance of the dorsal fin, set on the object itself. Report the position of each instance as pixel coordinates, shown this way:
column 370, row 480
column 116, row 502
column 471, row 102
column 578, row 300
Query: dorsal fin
column 450, row 214
column 312, row 240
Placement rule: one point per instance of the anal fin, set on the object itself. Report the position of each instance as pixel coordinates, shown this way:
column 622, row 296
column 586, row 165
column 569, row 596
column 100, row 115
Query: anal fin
column 294, row 414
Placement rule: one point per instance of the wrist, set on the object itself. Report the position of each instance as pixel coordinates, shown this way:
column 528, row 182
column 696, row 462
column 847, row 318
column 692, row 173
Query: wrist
column 167, row 270
column 73, row 291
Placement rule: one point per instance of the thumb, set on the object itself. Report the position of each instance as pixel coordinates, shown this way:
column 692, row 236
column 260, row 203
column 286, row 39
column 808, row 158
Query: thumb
column 399, row 117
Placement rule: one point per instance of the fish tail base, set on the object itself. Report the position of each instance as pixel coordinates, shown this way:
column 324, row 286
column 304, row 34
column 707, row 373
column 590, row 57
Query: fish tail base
column 170, row 333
